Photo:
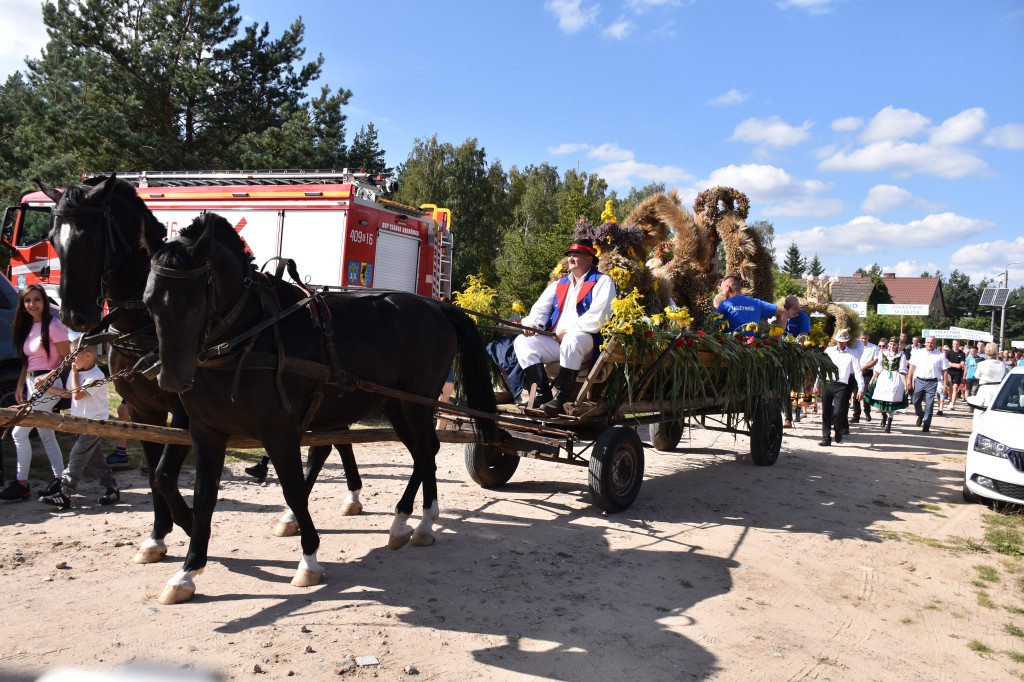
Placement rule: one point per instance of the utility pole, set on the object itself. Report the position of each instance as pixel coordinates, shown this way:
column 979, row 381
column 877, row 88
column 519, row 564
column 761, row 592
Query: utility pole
column 1006, row 285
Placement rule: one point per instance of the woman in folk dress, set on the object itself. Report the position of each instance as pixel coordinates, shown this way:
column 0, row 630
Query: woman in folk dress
column 888, row 390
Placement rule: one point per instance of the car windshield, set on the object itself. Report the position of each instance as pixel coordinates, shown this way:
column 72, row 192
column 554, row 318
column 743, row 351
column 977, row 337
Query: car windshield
column 1011, row 395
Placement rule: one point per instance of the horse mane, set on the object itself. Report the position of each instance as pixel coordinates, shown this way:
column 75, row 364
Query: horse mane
column 76, row 195
column 223, row 233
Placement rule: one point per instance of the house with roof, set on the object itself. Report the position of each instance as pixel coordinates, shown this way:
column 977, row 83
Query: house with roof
column 855, row 290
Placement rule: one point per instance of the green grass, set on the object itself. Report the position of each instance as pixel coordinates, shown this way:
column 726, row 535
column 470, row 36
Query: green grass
column 985, row 600
column 1012, row 629
column 906, row 620
column 1015, row 656
column 1005, row 532
column 980, row 647
column 987, row 573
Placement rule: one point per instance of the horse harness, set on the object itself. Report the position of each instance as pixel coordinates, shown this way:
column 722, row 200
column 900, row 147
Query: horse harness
column 237, row 352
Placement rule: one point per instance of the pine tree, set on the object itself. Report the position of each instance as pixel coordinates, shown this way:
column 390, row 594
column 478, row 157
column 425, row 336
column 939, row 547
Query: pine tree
column 795, row 266
column 365, row 154
column 815, row 268
column 168, row 85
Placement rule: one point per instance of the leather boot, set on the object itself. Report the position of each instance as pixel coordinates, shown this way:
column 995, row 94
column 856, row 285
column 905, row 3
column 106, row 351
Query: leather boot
column 564, row 383
column 535, row 374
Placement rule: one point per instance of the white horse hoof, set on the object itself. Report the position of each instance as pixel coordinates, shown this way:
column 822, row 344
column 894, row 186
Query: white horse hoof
column 399, row 541
column 351, row 509
column 306, row 577
column 176, row 594
column 149, row 555
column 286, row 529
column 420, row 539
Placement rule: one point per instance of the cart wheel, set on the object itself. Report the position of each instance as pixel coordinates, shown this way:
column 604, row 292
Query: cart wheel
column 616, row 468
column 488, row 465
column 665, row 435
column 765, row 435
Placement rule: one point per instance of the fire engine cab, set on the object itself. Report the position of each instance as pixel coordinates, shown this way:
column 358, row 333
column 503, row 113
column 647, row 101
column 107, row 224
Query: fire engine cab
column 336, row 225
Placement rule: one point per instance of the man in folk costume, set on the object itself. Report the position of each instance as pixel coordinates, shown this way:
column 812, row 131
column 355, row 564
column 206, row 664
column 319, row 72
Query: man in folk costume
column 572, row 309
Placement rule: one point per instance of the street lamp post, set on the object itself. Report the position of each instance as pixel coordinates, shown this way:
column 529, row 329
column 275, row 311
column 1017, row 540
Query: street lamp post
column 1002, row 319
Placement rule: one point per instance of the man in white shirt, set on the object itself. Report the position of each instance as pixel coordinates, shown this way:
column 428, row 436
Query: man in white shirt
column 572, row 311
column 835, row 396
column 869, row 355
column 928, row 366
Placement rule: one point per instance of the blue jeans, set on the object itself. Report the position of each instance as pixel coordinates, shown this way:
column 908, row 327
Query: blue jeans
column 924, row 391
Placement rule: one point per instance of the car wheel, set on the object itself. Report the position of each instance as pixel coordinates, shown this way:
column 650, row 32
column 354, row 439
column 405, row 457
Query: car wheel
column 969, row 496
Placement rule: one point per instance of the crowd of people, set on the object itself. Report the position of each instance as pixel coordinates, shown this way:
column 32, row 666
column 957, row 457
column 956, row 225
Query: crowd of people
column 898, row 375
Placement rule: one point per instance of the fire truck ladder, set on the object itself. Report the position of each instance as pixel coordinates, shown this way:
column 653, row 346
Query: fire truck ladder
column 374, row 182
column 443, row 242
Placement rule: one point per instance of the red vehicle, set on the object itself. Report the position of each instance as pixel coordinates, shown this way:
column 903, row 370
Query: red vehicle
column 335, row 225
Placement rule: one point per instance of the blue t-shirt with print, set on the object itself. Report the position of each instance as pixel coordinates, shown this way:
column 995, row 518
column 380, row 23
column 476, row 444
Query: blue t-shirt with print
column 742, row 310
column 801, row 324
column 972, row 366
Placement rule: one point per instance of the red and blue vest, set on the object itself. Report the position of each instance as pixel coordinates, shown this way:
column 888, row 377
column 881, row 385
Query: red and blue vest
column 584, row 299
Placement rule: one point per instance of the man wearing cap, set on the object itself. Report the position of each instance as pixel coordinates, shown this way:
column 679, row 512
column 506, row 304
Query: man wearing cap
column 835, row 397
column 740, row 310
column 572, row 309
column 928, row 366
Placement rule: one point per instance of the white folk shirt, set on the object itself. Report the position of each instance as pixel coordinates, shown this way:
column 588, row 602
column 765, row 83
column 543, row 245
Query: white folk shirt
column 928, row 365
column 94, row 405
column 869, row 353
column 848, row 365
column 589, row 322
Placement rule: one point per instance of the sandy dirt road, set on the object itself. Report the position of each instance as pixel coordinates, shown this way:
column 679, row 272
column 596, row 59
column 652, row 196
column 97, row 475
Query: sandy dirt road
column 852, row 563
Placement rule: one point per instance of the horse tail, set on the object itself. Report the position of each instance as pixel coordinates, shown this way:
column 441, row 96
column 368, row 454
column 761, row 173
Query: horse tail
column 476, row 371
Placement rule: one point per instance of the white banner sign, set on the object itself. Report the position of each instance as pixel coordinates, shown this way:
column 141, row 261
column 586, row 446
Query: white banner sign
column 972, row 334
column 957, row 333
column 860, row 306
column 902, row 309
column 1017, row 344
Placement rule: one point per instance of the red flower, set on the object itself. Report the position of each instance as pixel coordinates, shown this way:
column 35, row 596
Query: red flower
column 757, row 345
column 679, row 343
column 689, row 342
column 740, row 337
column 701, row 333
column 648, row 334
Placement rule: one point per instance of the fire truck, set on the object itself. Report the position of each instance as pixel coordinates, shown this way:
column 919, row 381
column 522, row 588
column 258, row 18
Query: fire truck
column 336, row 225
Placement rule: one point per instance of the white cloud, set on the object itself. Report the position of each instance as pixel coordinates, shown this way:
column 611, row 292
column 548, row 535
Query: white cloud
column 767, row 184
column 641, row 6
column 610, row 151
column 734, row 96
column 631, row 173
column 894, row 124
column 619, row 30
column 847, row 124
column 989, row 259
column 882, row 198
column 620, row 167
column 22, row 34
column 805, row 207
column 812, row 6
column 868, row 234
column 572, row 17
column 568, row 148
column 1009, row 136
column 911, row 268
column 906, row 158
column 960, row 128
column 773, row 132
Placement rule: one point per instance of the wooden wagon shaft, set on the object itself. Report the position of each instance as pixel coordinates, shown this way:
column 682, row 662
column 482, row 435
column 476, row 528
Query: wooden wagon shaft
column 166, row 434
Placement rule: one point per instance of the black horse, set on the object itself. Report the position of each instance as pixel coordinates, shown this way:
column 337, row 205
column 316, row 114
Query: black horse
column 301, row 371
column 98, row 234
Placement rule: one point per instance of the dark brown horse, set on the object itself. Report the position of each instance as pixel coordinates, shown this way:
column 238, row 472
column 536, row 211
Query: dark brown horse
column 299, row 372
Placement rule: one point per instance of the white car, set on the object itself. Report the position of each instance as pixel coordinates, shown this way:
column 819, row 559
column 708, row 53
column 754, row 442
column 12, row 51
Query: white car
column 995, row 451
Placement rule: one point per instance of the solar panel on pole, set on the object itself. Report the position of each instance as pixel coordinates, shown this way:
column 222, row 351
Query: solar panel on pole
column 994, row 297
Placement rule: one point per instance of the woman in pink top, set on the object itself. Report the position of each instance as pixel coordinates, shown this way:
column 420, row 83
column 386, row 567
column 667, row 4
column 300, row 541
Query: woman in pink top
column 42, row 342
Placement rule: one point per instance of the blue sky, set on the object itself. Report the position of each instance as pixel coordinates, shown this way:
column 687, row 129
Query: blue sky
column 866, row 131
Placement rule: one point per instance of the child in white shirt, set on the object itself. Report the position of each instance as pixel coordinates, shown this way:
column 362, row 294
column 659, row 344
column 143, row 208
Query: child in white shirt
column 90, row 402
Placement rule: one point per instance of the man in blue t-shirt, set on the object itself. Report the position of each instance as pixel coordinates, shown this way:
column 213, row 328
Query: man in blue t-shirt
column 799, row 323
column 740, row 310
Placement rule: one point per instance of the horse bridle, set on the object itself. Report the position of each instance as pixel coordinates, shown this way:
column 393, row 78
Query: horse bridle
column 113, row 257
